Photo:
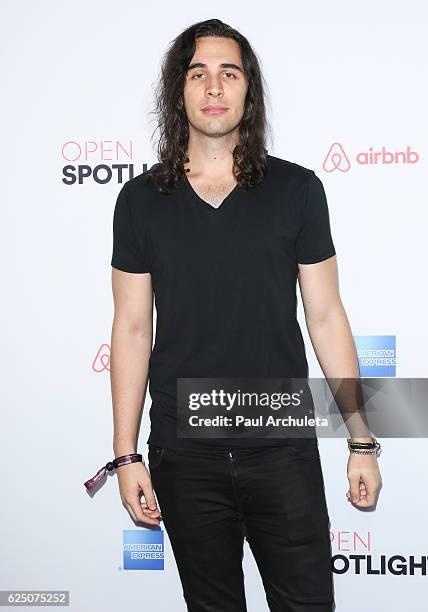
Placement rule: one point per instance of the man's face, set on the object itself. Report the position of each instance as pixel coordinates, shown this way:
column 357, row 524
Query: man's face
column 215, row 78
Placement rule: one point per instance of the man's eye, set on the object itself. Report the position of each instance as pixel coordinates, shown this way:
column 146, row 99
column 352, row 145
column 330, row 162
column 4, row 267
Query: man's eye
column 199, row 74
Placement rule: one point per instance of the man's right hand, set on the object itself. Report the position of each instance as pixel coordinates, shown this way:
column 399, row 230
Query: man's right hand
column 133, row 479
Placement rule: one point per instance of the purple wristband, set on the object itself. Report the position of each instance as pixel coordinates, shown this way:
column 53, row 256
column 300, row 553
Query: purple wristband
column 111, row 465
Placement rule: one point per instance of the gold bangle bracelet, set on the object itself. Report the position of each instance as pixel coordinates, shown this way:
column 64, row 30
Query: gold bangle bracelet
column 354, row 441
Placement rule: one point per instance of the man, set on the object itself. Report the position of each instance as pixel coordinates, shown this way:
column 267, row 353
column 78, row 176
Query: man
column 219, row 232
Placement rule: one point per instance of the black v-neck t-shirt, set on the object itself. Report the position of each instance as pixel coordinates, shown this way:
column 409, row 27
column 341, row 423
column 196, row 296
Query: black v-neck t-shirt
column 224, row 282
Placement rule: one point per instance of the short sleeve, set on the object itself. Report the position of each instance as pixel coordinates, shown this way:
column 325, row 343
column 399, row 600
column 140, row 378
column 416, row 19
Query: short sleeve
column 130, row 251
column 314, row 242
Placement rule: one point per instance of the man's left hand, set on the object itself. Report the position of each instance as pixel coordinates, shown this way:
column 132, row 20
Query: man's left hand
column 364, row 478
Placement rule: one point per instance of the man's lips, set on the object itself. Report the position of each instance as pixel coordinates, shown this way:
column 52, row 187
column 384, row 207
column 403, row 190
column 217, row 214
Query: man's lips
column 214, row 110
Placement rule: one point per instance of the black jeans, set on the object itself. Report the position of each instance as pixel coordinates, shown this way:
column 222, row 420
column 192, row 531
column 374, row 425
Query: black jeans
column 211, row 499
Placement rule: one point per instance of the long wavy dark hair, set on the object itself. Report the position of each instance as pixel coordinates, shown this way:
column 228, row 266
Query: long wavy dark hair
column 249, row 156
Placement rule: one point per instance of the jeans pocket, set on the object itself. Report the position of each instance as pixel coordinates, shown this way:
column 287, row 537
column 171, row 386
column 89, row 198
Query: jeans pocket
column 305, row 449
column 156, row 456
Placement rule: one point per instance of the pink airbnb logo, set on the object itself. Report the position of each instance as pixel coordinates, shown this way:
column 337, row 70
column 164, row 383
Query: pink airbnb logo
column 336, row 158
column 102, row 359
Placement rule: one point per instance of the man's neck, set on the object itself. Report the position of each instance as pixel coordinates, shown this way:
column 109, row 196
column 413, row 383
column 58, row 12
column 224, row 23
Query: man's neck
column 211, row 158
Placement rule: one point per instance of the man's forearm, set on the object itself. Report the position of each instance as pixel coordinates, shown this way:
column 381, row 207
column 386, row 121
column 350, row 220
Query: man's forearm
column 335, row 350
column 130, row 353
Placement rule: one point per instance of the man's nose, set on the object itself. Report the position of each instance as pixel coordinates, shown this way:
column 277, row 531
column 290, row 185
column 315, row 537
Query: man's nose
column 214, row 88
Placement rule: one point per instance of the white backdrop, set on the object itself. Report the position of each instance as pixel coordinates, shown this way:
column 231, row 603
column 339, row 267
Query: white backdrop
column 83, row 72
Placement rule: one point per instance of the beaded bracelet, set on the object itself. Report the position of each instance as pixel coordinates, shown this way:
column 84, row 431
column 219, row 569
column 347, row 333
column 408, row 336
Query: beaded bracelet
column 109, row 466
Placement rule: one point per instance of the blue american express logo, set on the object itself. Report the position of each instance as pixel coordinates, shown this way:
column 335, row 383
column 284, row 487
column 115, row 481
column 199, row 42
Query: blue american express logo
column 143, row 549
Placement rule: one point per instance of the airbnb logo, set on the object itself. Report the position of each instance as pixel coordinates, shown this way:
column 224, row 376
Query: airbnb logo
column 385, row 157
column 102, row 359
column 336, row 158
